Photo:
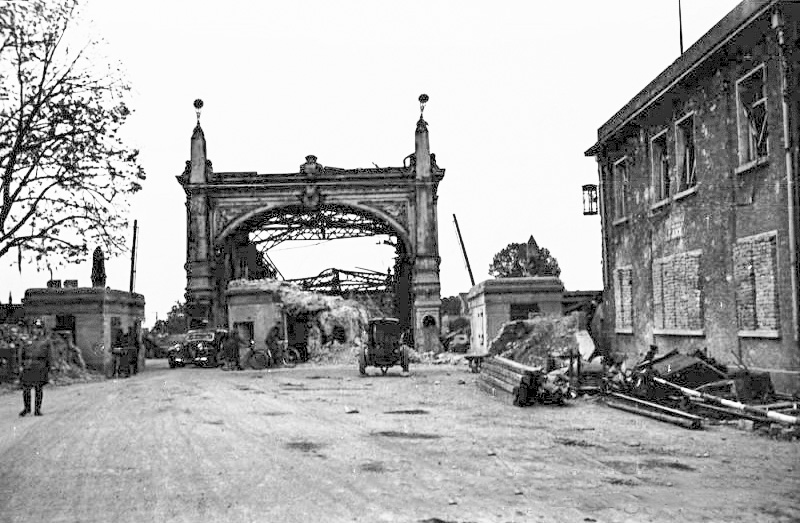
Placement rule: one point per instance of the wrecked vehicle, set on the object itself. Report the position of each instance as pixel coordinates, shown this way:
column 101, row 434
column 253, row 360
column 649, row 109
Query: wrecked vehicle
column 383, row 348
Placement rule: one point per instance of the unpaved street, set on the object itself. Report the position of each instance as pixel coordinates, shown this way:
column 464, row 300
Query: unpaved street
column 205, row 445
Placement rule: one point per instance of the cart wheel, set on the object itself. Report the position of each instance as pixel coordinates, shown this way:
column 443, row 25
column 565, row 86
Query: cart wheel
column 404, row 359
column 362, row 363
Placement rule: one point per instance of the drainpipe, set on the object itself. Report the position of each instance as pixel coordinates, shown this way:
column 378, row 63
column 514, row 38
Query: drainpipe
column 788, row 140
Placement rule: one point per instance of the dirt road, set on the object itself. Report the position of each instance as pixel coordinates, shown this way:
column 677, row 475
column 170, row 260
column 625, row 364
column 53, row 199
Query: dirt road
column 197, row 445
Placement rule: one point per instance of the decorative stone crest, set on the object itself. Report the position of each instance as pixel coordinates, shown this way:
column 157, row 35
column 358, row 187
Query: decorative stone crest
column 310, row 197
column 311, row 167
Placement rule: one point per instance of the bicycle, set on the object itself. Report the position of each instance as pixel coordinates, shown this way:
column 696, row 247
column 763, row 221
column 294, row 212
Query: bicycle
column 263, row 358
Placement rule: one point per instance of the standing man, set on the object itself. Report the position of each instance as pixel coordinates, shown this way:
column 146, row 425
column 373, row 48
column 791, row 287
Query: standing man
column 273, row 344
column 35, row 368
column 230, row 348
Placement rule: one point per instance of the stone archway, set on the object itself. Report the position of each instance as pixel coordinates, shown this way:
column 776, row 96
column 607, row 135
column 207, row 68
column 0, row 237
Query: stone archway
column 222, row 204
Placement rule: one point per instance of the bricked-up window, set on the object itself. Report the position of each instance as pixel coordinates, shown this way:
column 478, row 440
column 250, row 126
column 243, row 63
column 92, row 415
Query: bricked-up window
column 677, row 293
column 685, row 153
column 659, row 164
column 755, row 273
column 623, row 298
column 751, row 108
column 621, row 188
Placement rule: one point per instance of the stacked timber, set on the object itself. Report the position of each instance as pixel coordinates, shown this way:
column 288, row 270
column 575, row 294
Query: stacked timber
column 520, row 384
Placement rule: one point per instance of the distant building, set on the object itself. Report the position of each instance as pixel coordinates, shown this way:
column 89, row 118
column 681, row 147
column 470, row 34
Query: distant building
column 494, row 302
column 699, row 199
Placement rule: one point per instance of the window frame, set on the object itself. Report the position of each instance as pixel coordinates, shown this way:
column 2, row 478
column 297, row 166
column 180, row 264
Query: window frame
column 660, row 179
column 744, row 137
column 683, row 184
column 620, row 189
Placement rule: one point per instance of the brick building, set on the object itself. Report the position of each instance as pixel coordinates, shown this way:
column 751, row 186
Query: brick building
column 699, row 199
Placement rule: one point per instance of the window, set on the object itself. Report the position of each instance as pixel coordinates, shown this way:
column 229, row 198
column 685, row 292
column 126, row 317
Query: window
column 621, row 187
column 523, row 311
column 685, row 153
column 751, row 115
column 623, row 299
column 677, row 294
column 659, row 165
column 755, row 273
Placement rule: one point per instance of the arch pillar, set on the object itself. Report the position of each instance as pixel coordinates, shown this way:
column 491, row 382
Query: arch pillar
column 426, row 287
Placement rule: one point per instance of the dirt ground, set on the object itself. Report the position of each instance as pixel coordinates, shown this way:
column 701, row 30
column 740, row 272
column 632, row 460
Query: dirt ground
column 320, row 443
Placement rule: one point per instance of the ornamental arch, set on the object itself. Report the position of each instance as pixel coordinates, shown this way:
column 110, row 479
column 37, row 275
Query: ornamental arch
column 233, row 218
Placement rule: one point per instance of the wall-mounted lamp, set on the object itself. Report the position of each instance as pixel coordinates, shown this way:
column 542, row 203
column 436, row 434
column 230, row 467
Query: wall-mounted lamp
column 589, row 199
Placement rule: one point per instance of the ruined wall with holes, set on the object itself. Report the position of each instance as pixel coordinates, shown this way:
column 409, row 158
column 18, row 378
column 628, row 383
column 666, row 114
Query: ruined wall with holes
column 703, row 264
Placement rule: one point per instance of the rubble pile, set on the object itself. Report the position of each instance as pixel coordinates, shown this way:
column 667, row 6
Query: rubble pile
column 66, row 363
column 533, row 341
column 337, row 327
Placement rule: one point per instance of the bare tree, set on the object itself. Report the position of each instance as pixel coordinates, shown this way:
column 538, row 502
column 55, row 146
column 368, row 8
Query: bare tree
column 65, row 173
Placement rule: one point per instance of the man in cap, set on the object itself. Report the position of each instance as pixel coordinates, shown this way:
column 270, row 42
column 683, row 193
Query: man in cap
column 35, row 368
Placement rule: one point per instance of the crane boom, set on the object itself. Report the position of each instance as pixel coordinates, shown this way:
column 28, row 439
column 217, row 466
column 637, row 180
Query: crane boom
column 463, row 250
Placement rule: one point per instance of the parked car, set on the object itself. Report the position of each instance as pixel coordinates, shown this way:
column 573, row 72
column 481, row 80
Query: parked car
column 205, row 346
column 383, row 348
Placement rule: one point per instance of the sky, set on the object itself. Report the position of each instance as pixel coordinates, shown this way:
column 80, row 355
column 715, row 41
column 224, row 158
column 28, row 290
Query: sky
column 517, row 91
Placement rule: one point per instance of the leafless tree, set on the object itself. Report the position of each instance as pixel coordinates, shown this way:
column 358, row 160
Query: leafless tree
column 66, row 175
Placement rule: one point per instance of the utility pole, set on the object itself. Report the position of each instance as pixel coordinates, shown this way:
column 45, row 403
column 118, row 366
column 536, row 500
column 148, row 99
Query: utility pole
column 680, row 25
column 133, row 255
column 463, row 250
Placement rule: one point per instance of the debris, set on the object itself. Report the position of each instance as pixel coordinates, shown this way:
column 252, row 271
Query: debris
column 491, row 453
column 452, row 502
column 776, row 416
column 518, row 492
column 653, row 413
column 350, row 410
column 520, row 384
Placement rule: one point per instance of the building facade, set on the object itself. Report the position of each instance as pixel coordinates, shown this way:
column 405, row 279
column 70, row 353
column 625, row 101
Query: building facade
column 699, row 199
column 94, row 316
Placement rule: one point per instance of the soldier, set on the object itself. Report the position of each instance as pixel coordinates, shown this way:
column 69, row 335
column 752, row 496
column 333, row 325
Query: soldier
column 230, row 348
column 35, row 359
column 273, row 344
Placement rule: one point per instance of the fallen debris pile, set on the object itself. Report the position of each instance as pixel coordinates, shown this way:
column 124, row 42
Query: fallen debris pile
column 676, row 388
column 66, row 361
column 534, row 341
column 337, row 327
column 521, row 385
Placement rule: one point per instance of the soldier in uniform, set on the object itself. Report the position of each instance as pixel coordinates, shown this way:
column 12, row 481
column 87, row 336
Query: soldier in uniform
column 230, row 348
column 35, row 368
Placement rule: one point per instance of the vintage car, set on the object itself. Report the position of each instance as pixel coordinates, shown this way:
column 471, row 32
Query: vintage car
column 205, row 346
column 383, row 348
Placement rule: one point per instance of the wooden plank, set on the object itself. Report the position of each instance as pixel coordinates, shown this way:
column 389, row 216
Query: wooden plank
column 508, row 387
column 518, row 367
column 499, row 394
column 502, row 373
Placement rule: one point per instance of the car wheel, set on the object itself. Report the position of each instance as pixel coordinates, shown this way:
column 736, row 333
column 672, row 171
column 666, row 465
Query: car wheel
column 291, row 357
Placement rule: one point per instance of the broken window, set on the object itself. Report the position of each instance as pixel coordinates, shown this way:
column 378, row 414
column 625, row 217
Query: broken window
column 659, row 159
column 751, row 104
column 621, row 188
column 684, row 145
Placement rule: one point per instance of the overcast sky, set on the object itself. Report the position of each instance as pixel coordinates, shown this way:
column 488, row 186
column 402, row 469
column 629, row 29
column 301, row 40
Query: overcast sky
column 517, row 91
